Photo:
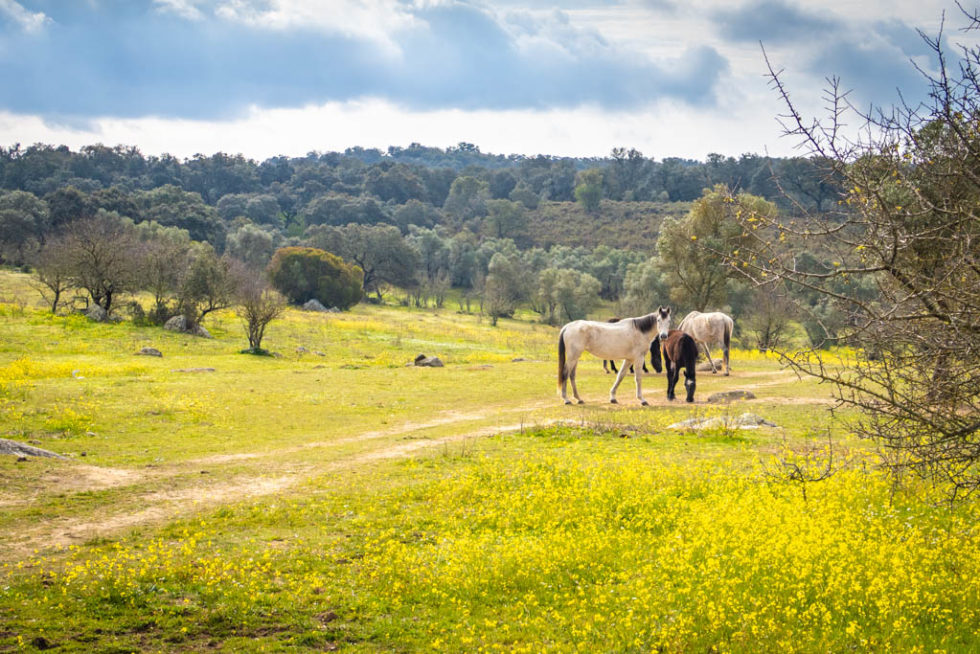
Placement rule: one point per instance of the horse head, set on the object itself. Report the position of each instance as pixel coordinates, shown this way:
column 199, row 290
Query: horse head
column 663, row 321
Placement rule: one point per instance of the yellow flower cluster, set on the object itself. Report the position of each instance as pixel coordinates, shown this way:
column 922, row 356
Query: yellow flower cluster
column 556, row 544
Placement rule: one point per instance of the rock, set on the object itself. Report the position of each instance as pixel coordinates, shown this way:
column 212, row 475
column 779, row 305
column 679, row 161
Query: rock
column 518, row 360
column 744, row 421
column 706, row 367
column 193, row 370
column 419, row 357
column 301, row 350
column 314, row 305
column 428, row 362
column 752, row 420
column 96, row 313
column 333, row 310
column 319, row 354
column 724, row 397
column 179, row 324
column 150, row 352
column 21, row 450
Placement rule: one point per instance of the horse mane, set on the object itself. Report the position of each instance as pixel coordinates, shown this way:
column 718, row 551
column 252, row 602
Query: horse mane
column 645, row 323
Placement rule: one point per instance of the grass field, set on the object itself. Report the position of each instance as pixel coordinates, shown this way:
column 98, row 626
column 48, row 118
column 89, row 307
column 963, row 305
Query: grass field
column 334, row 498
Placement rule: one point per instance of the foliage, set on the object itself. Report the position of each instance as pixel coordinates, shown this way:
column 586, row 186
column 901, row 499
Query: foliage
column 692, row 251
column 206, row 285
column 588, row 190
column 572, row 293
column 101, row 257
column 380, row 251
column 902, row 275
column 259, row 304
column 302, row 273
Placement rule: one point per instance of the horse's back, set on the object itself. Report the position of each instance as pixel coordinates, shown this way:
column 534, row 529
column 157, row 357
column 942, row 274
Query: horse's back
column 604, row 339
column 707, row 327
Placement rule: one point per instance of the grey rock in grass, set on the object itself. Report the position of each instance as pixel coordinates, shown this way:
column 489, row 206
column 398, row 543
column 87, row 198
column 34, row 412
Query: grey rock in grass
column 314, row 305
column 95, row 313
column 752, row 420
column 428, row 362
column 179, row 324
column 744, row 421
column 193, row 370
column 707, row 367
column 20, row 449
column 724, row 397
column 150, row 352
column 301, row 350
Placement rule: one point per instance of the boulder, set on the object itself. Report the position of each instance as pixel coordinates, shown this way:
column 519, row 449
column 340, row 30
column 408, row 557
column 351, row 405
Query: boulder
column 95, row 313
column 19, row 449
column 314, row 305
column 744, row 421
column 707, row 367
column 179, row 324
column 428, row 362
column 752, row 420
column 724, row 397
column 150, row 352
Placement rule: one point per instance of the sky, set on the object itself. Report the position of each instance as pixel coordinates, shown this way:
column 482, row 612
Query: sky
column 671, row 78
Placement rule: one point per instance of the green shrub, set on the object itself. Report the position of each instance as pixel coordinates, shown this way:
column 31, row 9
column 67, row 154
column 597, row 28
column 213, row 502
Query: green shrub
column 303, row 274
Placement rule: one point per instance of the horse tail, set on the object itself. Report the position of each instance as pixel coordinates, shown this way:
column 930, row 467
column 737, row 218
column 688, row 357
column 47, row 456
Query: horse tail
column 689, row 347
column 729, row 328
column 655, row 358
column 561, row 359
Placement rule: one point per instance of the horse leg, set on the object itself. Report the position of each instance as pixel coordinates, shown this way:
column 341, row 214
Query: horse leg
column 671, row 380
column 571, row 377
column 638, row 377
column 619, row 378
column 727, row 366
column 689, row 382
column 570, row 364
column 707, row 353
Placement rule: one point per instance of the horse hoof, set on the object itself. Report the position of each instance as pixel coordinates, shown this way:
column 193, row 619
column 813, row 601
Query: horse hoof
column 644, row 403
column 613, row 401
column 581, row 401
column 568, row 401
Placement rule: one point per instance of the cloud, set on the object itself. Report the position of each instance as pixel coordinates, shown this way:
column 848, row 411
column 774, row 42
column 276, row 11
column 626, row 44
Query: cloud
column 196, row 60
column 184, row 8
column 874, row 72
column 773, row 21
column 30, row 22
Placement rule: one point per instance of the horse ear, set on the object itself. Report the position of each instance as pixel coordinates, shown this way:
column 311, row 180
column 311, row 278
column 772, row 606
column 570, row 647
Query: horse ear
column 668, row 311
column 660, row 308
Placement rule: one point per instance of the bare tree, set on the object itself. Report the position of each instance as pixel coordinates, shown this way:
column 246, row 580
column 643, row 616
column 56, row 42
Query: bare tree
column 52, row 275
column 259, row 304
column 895, row 266
column 100, row 254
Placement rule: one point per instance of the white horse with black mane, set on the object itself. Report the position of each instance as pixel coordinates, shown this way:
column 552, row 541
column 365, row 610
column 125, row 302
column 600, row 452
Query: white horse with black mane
column 706, row 329
column 629, row 340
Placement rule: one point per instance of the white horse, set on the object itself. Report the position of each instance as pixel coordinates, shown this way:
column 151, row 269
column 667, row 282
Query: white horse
column 629, row 340
column 710, row 329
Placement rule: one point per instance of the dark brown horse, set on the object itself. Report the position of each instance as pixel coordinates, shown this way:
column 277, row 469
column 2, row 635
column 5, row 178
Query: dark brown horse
column 680, row 350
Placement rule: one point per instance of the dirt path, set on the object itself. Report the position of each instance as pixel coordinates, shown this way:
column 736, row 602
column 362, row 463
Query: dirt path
column 274, row 477
column 163, row 505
